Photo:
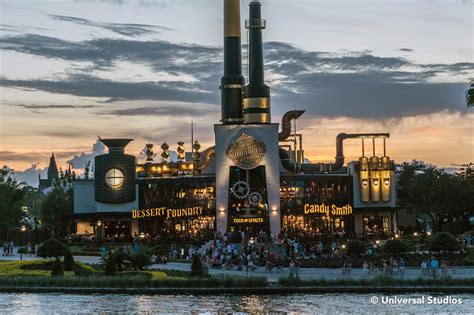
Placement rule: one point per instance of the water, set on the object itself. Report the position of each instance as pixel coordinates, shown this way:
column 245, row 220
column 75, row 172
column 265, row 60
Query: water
column 190, row 304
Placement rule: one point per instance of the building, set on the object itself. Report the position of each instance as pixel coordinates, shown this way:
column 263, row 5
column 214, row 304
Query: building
column 254, row 178
column 52, row 175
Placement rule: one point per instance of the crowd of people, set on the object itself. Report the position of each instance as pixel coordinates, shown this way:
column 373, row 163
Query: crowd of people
column 8, row 249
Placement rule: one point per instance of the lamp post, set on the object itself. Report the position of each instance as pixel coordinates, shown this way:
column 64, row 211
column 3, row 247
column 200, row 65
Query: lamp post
column 99, row 231
column 22, row 229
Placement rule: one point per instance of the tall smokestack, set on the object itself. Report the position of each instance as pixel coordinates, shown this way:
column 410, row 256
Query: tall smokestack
column 232, row 82
column 257, row 94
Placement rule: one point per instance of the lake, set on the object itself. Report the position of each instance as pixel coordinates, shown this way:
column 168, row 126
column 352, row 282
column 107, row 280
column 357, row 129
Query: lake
column 27, row 303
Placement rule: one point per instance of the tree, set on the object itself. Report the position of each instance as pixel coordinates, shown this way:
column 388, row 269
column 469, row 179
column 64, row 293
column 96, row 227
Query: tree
column 196, row 266
column 444, row 241
column 447, row 198
column 356, row 248
column 54, row 250
column 68, row 260
column 57, row 209
column 11, row 196
column 394, row 247
column 110, row 265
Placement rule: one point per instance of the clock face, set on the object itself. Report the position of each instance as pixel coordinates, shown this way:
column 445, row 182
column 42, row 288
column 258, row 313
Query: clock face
column 114, row 177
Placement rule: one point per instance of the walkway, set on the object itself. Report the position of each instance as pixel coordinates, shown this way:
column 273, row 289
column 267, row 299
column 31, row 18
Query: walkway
column 304, row 273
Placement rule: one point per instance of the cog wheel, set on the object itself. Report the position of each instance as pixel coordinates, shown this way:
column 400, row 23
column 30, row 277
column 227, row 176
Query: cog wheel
column 241, row 190
column 255, row 198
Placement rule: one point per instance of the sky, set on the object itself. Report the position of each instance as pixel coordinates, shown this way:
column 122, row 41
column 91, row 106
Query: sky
column 73, row 70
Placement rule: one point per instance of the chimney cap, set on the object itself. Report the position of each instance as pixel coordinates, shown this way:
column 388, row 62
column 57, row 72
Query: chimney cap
column 116, row 143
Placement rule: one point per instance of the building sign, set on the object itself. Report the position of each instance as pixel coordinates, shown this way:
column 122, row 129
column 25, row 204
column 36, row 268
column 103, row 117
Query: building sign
column 246, row 152
column 167, row 213
column 247, row 220
column 327, row 209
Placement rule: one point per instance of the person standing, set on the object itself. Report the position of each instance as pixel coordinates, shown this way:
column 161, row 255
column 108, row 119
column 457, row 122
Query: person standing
column 402, row 268
column 434, row 266
column 365, row 270
column 10, row 248
column 424, row 266
column 5, row 248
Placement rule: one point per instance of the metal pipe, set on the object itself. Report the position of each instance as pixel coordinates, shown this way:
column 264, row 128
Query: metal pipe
column 232, row 81
column 286, row 123
column 339, row 160
column 206, row 157
column 256, row 103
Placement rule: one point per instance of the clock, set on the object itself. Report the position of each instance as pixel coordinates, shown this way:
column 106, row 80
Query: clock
column 114, row 178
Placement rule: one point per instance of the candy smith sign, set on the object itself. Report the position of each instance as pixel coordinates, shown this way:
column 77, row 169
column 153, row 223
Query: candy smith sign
column 327, row 209
column 167, row 213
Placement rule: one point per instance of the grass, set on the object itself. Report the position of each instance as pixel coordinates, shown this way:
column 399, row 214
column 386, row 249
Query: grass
column 377, row 281
column 27, row 268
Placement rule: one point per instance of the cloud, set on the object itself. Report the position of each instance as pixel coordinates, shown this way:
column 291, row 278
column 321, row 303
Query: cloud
column 406, row 50
column 174, row 111
column 80, row 161
column 37, row 109
column 353, row 84
column 31, row 175
column 126, row 29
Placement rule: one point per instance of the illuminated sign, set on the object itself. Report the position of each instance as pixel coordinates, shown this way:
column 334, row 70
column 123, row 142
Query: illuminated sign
column 247, row 220
column 167, row 213
column 246, row 152
column 327, row 209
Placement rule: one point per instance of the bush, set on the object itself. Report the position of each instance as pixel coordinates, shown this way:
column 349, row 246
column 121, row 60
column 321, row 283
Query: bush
column 196, row 266
column 52, row 248
column 394, row 247
column 444, row 241
column 58, row 269
column 68, row 261
column 139, row 261
column 356, row 248
column 83, row 270
column 110, row 265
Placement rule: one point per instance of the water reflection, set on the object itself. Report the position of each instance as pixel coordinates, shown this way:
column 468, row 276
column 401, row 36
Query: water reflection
column 192, row 304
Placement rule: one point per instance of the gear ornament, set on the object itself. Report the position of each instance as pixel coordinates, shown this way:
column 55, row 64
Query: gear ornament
column 241, row 190
column 255, row 198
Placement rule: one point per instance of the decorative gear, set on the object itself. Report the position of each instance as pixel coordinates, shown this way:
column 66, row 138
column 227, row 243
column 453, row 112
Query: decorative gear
column 241, row 190
column 255, row 198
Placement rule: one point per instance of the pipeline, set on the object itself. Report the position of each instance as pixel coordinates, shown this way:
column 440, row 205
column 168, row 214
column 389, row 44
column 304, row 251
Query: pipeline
column 206, row 157
column 286, row 123
column 326, row 167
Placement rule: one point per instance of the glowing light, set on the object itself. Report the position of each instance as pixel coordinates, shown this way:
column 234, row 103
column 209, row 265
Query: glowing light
column 428, row 233
column 415, row 234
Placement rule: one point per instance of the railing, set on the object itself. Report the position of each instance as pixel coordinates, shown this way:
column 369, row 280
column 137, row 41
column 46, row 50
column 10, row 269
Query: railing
column 255, row 23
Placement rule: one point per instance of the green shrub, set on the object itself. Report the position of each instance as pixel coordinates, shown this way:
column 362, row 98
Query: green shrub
column 68, row 261
column 58, row 269
column 356, row 248
column 196, row 266
column 22, row 250
column 83, row 270
column 139, row 261
column 52, row 248
column 394, row 247
column 110, row 265
column 444, row 241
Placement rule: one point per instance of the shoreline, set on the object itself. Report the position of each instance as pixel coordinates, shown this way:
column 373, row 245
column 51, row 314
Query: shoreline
column 238, row 291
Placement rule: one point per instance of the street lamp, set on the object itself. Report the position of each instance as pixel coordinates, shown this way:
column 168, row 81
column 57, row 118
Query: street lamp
column 22, row 229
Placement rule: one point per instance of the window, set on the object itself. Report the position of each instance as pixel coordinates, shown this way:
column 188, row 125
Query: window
column 114, row 178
